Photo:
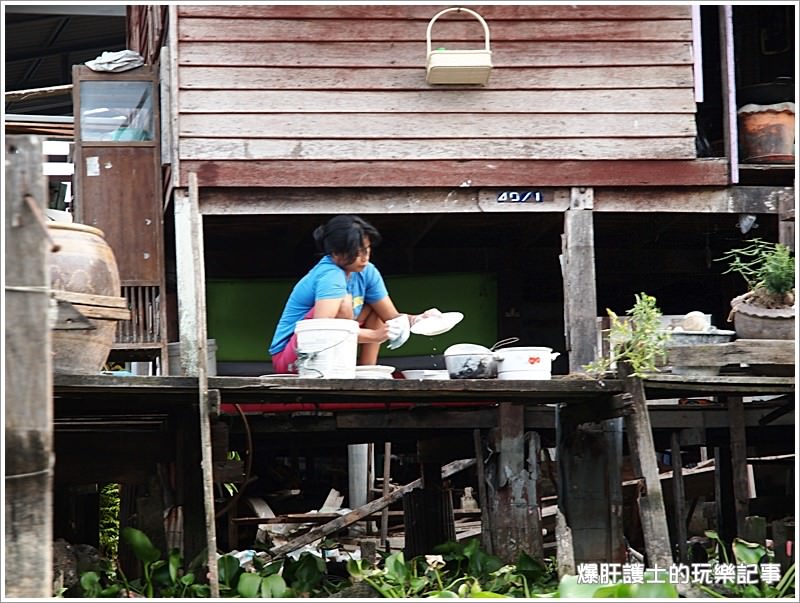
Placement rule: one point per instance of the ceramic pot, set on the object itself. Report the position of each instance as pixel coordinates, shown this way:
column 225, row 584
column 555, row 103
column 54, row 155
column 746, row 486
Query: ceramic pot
column 755, row 322
column 766, row 133
column 84, row 263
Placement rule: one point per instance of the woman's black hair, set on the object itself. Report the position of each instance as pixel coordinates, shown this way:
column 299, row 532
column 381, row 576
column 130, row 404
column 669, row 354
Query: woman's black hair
column 344, row 235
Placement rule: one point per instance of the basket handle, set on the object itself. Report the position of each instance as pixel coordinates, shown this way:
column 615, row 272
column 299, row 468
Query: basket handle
column 458, row 9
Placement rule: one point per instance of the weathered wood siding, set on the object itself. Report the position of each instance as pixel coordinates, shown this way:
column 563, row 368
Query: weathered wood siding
column 331, row 95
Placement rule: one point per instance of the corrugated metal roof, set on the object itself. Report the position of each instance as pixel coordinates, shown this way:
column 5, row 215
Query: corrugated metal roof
column 42, row 44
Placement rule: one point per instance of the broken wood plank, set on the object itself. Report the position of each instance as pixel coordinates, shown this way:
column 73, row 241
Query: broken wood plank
column 103, row 313
column 750, row 351
column 89, row 299
column 376, row 505
column 323, row 517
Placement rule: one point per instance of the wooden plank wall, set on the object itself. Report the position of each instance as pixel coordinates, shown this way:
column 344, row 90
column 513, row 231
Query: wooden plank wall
column 290, row 95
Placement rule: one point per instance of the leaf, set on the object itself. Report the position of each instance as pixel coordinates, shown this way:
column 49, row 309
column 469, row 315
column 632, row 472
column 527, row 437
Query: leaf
column 273, row 586
column 395, row 566
column 90, row 583
column 228, row 570
column 304, row 574
column 569, row 588
column 175, row 563
column 249, row 586
column 748, row 553
column 188, row 579
column 141, row 545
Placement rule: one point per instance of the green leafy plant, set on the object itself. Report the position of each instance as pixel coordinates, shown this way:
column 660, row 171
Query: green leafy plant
column 160, row 577
column 457, row 570
column 109, row 520
column 651, row 587
column 638, row 340
column 767, row 268
column 749, row 554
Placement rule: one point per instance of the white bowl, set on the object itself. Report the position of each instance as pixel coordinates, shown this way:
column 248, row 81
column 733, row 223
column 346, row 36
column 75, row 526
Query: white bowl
column 458, row 349
column 426, row 374
column 374, row 371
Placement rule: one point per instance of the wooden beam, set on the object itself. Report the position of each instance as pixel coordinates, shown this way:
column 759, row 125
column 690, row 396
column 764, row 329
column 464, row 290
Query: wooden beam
column 198, row 340
column 643, row 455
column 28, row 376
column 741, row 490
column 455, row 173
column 413, row 199
column 514, row 505
column 15, row 96
column 678, row 496
column 580, row 288
column 750, row 351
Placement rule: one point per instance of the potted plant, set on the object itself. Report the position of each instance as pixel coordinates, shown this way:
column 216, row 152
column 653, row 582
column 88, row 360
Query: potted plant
column 639, row 340
column 768, row 308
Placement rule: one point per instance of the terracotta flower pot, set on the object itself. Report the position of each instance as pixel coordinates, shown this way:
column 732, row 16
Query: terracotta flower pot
column 766, row 133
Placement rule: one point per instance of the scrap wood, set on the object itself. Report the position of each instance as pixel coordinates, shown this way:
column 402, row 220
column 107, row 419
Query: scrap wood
column 363, row 511
column 314, row 517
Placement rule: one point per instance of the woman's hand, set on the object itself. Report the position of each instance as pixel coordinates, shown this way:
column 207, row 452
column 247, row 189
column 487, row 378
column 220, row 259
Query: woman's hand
column 377, row 335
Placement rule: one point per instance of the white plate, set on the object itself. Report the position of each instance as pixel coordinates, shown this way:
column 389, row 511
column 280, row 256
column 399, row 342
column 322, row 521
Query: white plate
column 428, row 374
column 436, row 325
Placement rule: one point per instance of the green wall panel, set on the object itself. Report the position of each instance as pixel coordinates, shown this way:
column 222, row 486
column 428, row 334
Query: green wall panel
column 242, row 314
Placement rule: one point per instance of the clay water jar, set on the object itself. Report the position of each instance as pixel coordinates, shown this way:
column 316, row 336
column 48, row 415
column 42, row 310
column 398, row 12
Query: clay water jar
column 83, row 263
column 766, row 133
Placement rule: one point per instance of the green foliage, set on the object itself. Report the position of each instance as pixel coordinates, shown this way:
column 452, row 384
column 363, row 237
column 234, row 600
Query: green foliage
column 763, row 265
column 458, row 570
column 570, row 588
column 747, row 553
column 639, row 340
column 109, row 520
column 160, row 577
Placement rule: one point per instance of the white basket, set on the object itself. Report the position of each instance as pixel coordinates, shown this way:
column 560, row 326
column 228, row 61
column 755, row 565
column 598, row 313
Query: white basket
column 459, row 66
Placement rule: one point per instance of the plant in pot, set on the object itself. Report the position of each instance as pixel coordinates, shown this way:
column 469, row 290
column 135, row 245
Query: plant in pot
column 638, row 341
column 767, row 310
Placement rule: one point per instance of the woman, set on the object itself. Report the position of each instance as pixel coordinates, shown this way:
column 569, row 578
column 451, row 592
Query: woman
column 343, row 284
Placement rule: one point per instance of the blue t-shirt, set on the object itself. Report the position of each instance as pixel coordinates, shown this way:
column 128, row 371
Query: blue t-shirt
column 326, row 280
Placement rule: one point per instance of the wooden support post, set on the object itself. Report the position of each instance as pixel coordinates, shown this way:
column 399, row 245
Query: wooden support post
column 741, row 488
column 594, row 514
column 755, row 529
column 578, row 272
column 428, row 514
column 678, row 496
column 483, row 499
column 516, row 526
column 28, row 376
column 589, row 487
column 783, row 530
column 786, row 221
column 643, row 455
column 723, row 495
column 387, row 466
column 194, row 357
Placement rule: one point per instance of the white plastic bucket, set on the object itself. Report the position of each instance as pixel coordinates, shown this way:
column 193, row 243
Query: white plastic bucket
column 525, row 363
column 327, row 348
